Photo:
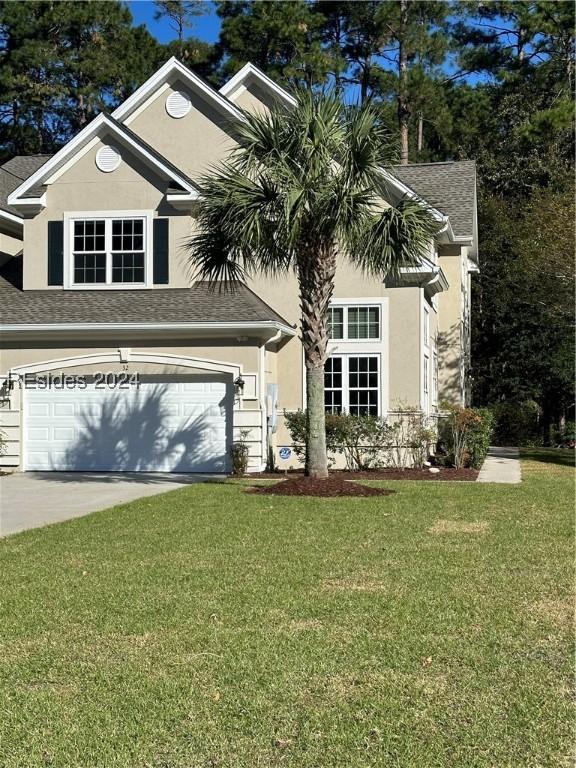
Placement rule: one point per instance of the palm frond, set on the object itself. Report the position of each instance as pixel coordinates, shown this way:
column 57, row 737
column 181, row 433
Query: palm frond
column 383, row 243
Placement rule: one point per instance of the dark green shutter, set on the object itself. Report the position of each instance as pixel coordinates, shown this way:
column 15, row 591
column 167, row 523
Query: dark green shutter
column 55, row 253
column 161, row 251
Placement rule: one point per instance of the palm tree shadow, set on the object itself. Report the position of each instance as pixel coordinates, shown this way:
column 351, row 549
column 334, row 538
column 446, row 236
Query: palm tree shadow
column 145, row 434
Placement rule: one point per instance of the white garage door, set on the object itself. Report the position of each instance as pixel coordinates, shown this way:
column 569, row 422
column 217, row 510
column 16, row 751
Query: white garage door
column 164, row 425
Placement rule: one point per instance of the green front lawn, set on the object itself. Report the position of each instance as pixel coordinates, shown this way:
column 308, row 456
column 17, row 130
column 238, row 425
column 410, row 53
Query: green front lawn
column 210, row 627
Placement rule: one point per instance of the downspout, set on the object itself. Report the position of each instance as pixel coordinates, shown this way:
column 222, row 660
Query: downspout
column 266, row 428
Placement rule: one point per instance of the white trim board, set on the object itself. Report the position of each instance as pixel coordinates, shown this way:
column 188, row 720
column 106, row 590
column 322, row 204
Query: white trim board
column 98, row 127
column 237, row 84
column 172, row 69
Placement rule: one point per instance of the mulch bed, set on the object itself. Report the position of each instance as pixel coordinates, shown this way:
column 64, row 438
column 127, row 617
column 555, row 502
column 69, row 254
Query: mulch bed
column 335, row 485
column 446, row 473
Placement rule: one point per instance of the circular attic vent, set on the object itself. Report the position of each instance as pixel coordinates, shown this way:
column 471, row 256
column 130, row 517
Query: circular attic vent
column 178, row 104
column 108, row 159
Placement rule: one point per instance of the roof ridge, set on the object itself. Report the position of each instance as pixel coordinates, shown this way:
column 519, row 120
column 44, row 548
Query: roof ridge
column 439, row 162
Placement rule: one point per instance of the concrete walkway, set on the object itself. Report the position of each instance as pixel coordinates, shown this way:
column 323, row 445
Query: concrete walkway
column 502, row 465
column 33, row 499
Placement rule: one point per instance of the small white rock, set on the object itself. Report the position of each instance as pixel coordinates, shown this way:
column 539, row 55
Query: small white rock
column 427, row 464
column 434, row 470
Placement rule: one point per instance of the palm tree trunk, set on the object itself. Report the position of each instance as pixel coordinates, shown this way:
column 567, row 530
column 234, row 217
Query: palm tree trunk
column 316, row 279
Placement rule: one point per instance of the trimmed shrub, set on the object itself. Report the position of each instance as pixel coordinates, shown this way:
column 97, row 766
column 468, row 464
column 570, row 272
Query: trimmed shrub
column 239, row 454
column 367, row 442
column 296, row 424
column 466, row 433
column 411, row 436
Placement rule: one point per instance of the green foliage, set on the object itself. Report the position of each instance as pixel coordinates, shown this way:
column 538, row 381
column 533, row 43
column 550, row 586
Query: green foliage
column 62, row 63
column 367, row 442
column 239, row 454
column 281, row 38
column 466, row 433
column 411, row 438
column 517, row 423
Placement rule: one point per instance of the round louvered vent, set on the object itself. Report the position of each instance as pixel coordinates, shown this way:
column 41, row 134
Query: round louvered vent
column 108, row 159
column 178, row 104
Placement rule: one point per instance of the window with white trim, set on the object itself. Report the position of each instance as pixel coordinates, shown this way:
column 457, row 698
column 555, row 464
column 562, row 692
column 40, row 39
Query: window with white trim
column 352, row 384
column 108, row 251
column 434, row 377
column 354, row 323
column 426, row 327
column 426, row 376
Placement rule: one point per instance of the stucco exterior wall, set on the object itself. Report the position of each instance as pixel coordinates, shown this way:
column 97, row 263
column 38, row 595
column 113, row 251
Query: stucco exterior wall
column 194, row 142
column 10, row 245
column 451, row 350
column 83, row 187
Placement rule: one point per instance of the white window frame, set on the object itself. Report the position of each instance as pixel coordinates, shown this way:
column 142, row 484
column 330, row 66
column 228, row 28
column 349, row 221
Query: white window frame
column 425, row 383
column 71, row 217
column 426, row 326
column 345, row 306
column 345, row 357
column 434, row 376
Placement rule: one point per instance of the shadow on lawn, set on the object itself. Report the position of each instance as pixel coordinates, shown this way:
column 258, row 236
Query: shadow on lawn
column 565, row 457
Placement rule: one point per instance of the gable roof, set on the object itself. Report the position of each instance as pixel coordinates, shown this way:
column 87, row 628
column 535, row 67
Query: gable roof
column 173, row 70
column 31, row 190
column 450, row 187
column 12, row 174
column 250, row 73
column 200, row 305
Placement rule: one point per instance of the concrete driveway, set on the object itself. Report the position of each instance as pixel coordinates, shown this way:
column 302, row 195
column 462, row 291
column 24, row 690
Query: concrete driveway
column 34, row 499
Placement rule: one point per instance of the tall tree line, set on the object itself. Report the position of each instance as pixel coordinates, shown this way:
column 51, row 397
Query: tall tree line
column 454, row 79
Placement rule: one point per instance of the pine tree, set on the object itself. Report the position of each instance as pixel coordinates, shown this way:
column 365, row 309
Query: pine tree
column 62, row 63
column 181, row 15
column 281, row 37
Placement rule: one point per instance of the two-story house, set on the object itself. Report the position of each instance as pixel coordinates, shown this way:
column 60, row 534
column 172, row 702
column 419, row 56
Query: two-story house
column 113, row 359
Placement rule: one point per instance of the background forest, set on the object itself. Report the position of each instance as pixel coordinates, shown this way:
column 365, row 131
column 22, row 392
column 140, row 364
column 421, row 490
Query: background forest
column 490, row 81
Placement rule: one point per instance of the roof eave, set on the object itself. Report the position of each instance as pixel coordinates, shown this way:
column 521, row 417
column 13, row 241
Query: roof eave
column 174, row 67
column 250, row 72
column 31, row 330
column 92, row 130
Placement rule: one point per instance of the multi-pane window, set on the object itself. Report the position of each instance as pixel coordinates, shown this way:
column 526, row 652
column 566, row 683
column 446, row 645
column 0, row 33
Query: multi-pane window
column 363, row 386
column 434, row 377
column 89, row 252
column 333, row 385
column 108, row 251
column 354, row 323
column 127, row 250
column 336, row 322
column 426, row 327
column 426, row 375
column 352, row 384
column 363, row 322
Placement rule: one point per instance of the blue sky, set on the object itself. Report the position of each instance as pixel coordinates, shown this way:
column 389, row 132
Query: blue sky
column 206, row 27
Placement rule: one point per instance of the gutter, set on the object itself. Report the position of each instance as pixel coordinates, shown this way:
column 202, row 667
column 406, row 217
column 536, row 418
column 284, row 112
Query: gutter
column 71, row 328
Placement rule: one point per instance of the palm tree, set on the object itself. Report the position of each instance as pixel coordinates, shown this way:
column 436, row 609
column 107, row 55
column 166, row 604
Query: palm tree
column 302, row 187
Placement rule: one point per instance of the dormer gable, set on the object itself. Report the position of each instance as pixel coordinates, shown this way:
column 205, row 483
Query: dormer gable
column 30, row 196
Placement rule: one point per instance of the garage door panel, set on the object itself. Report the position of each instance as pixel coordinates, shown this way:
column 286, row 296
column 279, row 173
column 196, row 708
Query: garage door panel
column 164, row 426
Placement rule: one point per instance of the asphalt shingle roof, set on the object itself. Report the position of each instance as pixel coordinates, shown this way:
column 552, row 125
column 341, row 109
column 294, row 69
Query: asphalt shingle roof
column 450, row 187
column 197, row 304
column 14, row 172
